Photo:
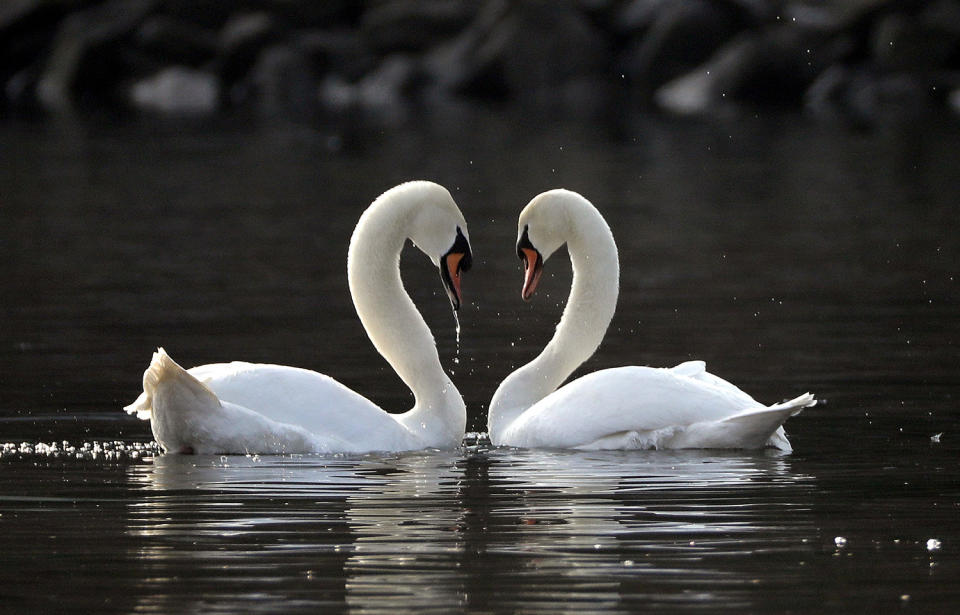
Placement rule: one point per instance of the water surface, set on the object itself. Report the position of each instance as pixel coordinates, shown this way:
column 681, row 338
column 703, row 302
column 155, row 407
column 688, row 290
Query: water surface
column 789, row 257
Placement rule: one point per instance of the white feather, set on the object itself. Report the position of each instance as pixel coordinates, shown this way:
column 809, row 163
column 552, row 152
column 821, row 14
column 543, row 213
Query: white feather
column 625, row 407
column 257, row 408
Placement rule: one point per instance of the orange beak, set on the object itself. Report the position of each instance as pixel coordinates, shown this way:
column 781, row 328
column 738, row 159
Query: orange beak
column 533, row 269
column 452, row 263
column 458, row 259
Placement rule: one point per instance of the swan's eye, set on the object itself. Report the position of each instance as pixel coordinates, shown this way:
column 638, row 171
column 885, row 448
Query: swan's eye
column 524, row 244
column 462, row 246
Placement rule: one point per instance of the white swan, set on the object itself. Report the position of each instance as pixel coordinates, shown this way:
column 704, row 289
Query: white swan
column 256, row 408
column 618, row 408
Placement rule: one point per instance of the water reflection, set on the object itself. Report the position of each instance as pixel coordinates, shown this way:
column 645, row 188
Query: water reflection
column 479, row 528
column 618, row 527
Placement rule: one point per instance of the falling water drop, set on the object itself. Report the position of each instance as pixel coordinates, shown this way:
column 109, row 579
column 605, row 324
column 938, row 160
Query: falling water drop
column 456, row 319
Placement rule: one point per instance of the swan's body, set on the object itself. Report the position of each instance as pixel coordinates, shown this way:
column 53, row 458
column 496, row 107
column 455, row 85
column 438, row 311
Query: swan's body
column 624, row 407
column 256, row 408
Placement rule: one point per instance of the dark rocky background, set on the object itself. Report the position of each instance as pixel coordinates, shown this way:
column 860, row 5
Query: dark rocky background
column 864, row 62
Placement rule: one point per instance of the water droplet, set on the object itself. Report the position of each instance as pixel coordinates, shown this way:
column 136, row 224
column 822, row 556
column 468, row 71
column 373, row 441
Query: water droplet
column 456, row 320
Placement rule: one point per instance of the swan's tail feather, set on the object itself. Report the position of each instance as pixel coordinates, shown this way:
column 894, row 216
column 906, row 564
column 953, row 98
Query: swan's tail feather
column 765, row 425
column 748, row 429
column 142, row 406
column 162, row 371
column 807, row 400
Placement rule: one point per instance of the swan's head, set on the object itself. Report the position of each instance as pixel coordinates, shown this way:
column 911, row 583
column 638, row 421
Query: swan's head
column 439, row 230
column 545, row 224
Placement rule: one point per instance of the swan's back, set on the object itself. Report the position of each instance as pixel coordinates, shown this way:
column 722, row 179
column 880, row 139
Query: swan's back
column 305, row 398
column 628, row 399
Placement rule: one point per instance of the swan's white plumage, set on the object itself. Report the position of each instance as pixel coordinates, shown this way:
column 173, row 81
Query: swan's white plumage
column 259, row 408
column 625, row 407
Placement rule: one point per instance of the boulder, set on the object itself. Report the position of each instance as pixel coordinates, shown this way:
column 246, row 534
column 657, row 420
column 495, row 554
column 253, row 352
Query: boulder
column 314, row 13
column 338, row 51
column 178, row 90
column 284, row 82
column 864, row 96
column 511, row 50
column 680, row 36
column 27, row 28
column 392, row 84
column 472, row 63
column 176, row 41
column 240, row 42
column 774, row 66
column 637, row 16
column 388, row 89
column 414, row 25
column 905, row 43
column 77, row 36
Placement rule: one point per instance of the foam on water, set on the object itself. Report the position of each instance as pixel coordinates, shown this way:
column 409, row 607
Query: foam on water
column 109, row 450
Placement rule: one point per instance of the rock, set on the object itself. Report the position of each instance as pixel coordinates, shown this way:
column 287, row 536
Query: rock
column 889, row 99
column 208, row 14
column 541, row 34
column 27, row 28
column 872, row 60
column 77, row 36
column 388, row 90
column 176, row 41
column 511, row 51
column 240, row 41
column 756, row 12
column 943, row 15
column 904, row 43
column 954, row 101
column 680, row 36
column 826, row 96
column 336, row 93
column 339, row 51
column 177, row 90
column 639, row 15
column 834, row 16
column 774, row 66
column 18, row 16
column 864, row 96
column 21, row 88
column 390, row 85
column 595, row 7
column 472, row 63
column 414, row 25
column 284, row 82
column 314, row 13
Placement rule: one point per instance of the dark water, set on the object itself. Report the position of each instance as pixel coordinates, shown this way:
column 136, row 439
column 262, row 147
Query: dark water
column 789, row 257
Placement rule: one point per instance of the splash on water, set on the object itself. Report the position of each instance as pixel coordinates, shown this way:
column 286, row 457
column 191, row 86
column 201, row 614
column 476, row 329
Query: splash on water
column 107, row 450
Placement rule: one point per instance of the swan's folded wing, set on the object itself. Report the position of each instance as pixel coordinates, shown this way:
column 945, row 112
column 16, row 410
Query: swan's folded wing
column 609, row 402
column 698, row 371
column 307, row 399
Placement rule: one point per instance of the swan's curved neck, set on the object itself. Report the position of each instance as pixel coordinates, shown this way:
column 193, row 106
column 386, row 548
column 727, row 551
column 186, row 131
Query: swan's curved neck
column 395, row 326
column 590, row 307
